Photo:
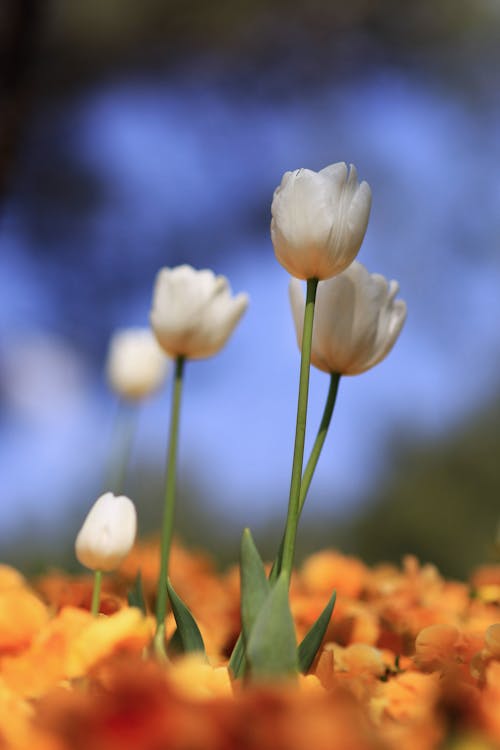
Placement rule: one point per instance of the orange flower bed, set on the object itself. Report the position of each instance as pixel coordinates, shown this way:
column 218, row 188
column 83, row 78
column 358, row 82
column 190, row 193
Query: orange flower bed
column 410, row 661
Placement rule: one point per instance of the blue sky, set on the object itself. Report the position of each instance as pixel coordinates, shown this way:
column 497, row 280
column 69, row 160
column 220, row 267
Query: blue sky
column 179, row 165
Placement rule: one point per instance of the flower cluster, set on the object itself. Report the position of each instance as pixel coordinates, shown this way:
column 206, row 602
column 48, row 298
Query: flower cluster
column 410, row 660
column 319, row 222
column 228, row 661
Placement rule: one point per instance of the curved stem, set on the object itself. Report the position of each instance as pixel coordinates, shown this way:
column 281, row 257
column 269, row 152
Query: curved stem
column 300, row 431
column 311, row 463
column 320, row 438
column 96, row 593
column 169, row 510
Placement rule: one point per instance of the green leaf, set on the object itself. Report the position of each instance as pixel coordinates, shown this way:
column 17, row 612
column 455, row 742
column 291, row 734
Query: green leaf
column 189, row 633
column 174, row 646
column 237, row 662
column 309, row 647
column 254, row 590
column 254, row 584
column 135, row 596
column 272, row 648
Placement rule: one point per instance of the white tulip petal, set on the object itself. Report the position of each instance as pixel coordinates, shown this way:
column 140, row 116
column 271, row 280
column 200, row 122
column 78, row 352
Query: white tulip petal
column 336, row 172
column 108, row 533
column 301, row 209
column 393, row 290
column 193, row 312
column 352, row 180
column 396, row 320
column 135, row 366
column 319, row 220
column 358, row 214
column 297, row 302
column 356, row 320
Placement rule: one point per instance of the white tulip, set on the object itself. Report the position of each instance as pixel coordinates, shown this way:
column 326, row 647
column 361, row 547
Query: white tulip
column 108, row 533
column 319, row 220
column 357, row 320
column 193, row 312
column 135, row 366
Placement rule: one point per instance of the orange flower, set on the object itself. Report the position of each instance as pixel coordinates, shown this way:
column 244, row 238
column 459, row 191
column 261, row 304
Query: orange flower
column 72, row 644
column 193, row 678
column 194, row 579
column 409, row 660
column 492, row 640
column 59, row 591
column 10, row 578
column 436, row 646
column 491, row 701
column 359, row 659
column 22, row 614
column 125, row 631
column 43, row 665
column 16, row 725
column 330, row 571
column 409, row 697
column 489, row 652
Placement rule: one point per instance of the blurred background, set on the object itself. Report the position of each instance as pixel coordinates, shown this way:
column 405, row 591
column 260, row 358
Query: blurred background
column 138, row 135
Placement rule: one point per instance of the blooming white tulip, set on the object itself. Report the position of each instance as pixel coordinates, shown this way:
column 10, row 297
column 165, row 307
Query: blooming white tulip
column 135, row 366
column 319, row 220
column 108, row 533
column 357, row 320
column 193, row 312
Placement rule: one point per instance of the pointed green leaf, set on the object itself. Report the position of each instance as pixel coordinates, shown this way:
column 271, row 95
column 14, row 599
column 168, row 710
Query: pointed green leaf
column 237, row 662
column 174, row 646
column 254, row 590
column 272, row 648
column 309, row 647
column 254, row 583
column 276, row 569
column 135, row 596
column 189, row 632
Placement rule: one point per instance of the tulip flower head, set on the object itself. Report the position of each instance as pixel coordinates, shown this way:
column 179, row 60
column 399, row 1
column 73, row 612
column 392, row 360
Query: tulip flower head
column 357, row 320
column 135, row 366
column 193, row 312
column 319, row 220
column 108, row 533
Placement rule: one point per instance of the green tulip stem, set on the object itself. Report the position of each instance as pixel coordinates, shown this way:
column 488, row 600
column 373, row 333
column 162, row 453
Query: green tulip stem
column 300, row 431
column 169, row 510
column 238, row 655
column 96, row 593
column 312, row 462
column 320, row 438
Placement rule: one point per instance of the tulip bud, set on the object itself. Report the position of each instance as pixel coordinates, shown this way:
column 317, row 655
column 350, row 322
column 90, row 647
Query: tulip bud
column 193, row 312
column 108, row 533
column 136, row 366
column 319, row 220
column 356, row 323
